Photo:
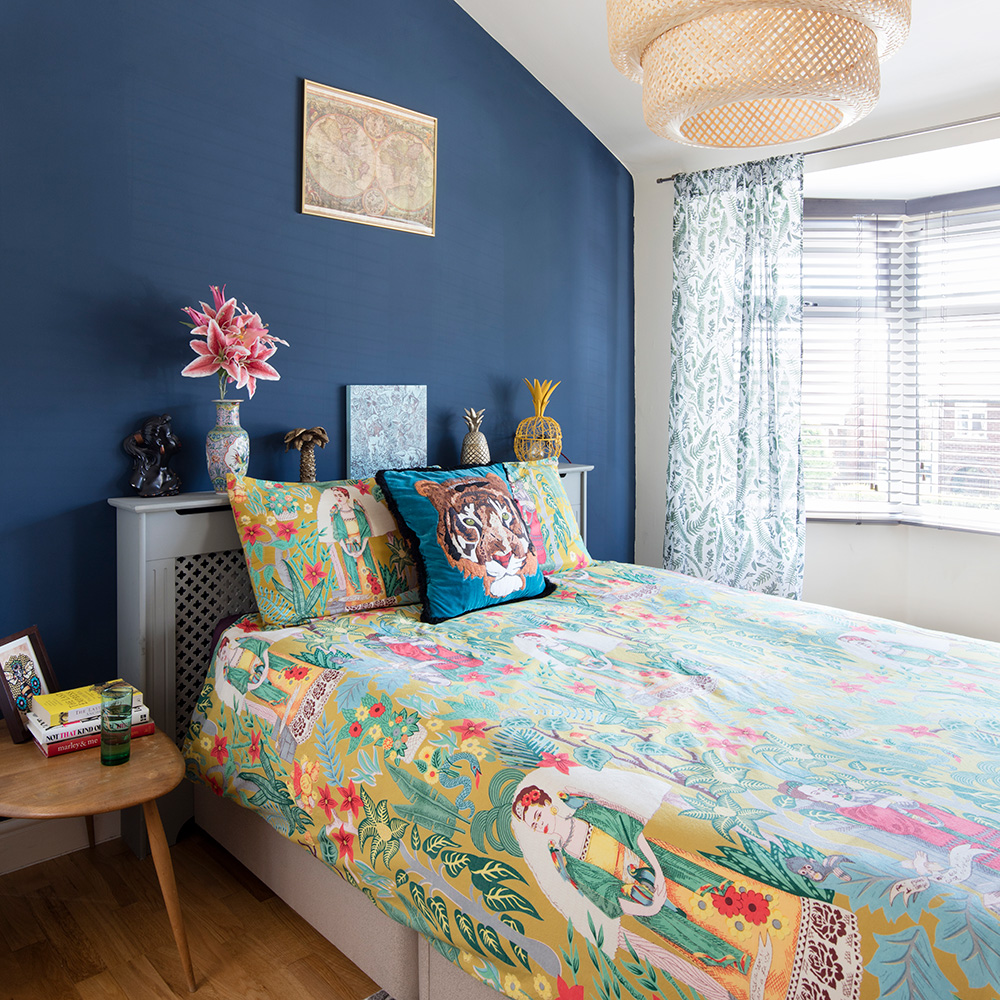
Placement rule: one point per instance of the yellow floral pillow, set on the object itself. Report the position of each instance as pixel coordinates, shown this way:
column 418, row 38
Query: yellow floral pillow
column 548, row 513
column 315, row 549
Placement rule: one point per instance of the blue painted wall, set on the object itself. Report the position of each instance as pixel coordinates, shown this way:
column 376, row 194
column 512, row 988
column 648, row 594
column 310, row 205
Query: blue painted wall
column 150, row 150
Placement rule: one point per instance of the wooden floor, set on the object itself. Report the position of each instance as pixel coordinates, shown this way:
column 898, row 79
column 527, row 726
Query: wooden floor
column 92, row 926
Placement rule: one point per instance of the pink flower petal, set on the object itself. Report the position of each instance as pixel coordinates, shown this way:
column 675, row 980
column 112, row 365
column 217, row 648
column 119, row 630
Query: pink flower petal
column 200, row 367
column 199, row 319
column 261, row 369
column 200, row 347
column 224, row 317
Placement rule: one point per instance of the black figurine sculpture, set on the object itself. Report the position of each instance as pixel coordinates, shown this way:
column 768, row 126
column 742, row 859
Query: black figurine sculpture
column 151, row 448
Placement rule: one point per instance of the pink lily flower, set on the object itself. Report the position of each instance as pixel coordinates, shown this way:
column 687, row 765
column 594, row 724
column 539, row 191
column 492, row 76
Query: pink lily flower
column 252, row 326
column 224, row 313
column 255, row 366
column 215, row 355
column 237, row 343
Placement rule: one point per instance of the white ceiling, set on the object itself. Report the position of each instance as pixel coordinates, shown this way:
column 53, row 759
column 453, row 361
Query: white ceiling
column 948, row 70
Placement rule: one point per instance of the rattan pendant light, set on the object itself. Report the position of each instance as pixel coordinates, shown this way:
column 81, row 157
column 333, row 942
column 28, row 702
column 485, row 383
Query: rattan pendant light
column 754, row 72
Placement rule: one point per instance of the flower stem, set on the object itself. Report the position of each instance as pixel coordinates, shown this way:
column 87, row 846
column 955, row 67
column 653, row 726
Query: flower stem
column 222, row 384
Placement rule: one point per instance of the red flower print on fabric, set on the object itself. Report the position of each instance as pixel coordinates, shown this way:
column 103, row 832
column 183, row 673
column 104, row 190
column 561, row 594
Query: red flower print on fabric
column 344, row 840
column 351, row 801
column 754, row 907
column 567, row 992
column 327, row 802
column 728, row 902
column 219, row 751
column 469, row 729
column 560, row 761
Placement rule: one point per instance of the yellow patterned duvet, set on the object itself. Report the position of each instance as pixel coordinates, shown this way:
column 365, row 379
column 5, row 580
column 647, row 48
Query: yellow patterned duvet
column 640, row 786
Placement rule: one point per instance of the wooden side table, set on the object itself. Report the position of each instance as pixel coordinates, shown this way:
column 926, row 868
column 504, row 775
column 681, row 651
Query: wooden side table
column 33, row 786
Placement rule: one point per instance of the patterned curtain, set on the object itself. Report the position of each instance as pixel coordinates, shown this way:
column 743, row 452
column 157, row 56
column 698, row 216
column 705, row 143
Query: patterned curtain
column 735, row 508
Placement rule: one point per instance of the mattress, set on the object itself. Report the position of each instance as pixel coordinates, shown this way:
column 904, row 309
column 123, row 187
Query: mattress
column 640, row 784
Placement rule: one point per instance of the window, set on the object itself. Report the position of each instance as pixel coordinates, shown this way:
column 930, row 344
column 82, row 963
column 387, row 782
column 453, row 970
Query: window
column 901, row 365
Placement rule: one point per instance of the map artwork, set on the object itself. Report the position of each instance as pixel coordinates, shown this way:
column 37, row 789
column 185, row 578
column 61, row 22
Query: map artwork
column 367, row 161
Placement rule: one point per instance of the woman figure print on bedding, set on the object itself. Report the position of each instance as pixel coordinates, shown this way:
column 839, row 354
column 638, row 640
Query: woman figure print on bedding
column 879, row 649
column 285, row 694
column 347, row 524
column 938, row 845
column 606, row 864
column 565, row 649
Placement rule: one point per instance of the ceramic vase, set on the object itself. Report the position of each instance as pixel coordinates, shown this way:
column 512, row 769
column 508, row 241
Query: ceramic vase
column 227, row 446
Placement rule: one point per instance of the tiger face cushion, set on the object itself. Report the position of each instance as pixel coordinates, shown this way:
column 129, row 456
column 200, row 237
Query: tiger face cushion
column 481, row 532
column 473, row 547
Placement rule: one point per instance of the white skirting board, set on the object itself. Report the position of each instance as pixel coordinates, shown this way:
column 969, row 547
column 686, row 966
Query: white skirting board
column 396, row 957
column 25, row 842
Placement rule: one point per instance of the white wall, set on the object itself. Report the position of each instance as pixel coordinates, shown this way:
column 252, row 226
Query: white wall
column 931, row 577
column 654, row 207
column 939, row 579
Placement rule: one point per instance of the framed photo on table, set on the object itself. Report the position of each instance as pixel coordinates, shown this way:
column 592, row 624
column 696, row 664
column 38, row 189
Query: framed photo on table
column 25, row 671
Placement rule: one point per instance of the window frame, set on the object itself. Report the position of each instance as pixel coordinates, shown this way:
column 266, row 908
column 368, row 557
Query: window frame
column 901, row 447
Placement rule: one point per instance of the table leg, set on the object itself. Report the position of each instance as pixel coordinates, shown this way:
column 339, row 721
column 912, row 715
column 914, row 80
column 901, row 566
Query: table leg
column 168, row 886
column 91, row 839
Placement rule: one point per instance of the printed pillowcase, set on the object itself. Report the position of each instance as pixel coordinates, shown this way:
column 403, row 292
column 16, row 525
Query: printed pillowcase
column 315, row 549
column 546, row 509
column 474, row 550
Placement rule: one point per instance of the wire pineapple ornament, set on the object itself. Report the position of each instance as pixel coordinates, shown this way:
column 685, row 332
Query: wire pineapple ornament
column 538, row 436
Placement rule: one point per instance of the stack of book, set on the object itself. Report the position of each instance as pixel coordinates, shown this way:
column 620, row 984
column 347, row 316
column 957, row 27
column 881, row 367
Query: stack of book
column 65, row 721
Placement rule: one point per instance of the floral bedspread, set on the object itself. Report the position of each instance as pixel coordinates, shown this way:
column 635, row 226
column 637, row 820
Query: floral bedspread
column 640, row 786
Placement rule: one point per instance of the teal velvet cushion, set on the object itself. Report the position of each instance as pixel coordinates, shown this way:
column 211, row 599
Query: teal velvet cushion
column 473, row 548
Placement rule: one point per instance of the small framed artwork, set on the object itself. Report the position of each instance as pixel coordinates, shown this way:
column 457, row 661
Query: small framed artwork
column 367, row 161
column 386, row 428
column 25, row 671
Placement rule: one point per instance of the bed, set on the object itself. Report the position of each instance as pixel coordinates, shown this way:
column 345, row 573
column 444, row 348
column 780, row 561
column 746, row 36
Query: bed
column 637, row 784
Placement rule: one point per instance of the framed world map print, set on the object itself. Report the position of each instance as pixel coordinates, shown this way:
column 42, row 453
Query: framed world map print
column 367, row 161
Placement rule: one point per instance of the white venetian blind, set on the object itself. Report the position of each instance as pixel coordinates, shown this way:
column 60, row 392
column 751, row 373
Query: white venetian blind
column 955, row 311
column 901, row 367
column 847, row 288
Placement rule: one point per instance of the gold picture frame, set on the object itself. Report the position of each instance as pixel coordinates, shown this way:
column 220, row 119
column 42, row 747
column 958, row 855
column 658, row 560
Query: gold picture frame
column 367, row 161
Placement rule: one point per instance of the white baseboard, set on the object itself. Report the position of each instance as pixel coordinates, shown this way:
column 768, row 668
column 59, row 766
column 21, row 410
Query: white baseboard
column 25, row 842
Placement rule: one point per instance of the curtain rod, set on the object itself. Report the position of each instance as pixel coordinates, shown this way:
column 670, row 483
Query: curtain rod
column 881, row 138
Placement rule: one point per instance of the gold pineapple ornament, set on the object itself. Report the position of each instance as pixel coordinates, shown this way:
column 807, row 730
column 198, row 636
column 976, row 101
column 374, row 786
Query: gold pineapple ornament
column 538, row 436
column 475, row 450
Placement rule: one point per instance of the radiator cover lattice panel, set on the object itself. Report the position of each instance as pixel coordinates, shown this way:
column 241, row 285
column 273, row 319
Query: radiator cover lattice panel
column 207, row 587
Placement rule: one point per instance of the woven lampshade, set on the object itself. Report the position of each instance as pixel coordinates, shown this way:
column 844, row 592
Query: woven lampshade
column 754, row 72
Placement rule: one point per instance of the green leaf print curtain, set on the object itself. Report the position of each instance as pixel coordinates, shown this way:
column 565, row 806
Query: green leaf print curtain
column 735, row 509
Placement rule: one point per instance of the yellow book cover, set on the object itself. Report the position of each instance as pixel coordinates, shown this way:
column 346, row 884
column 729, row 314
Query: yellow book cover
column 74, row 705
